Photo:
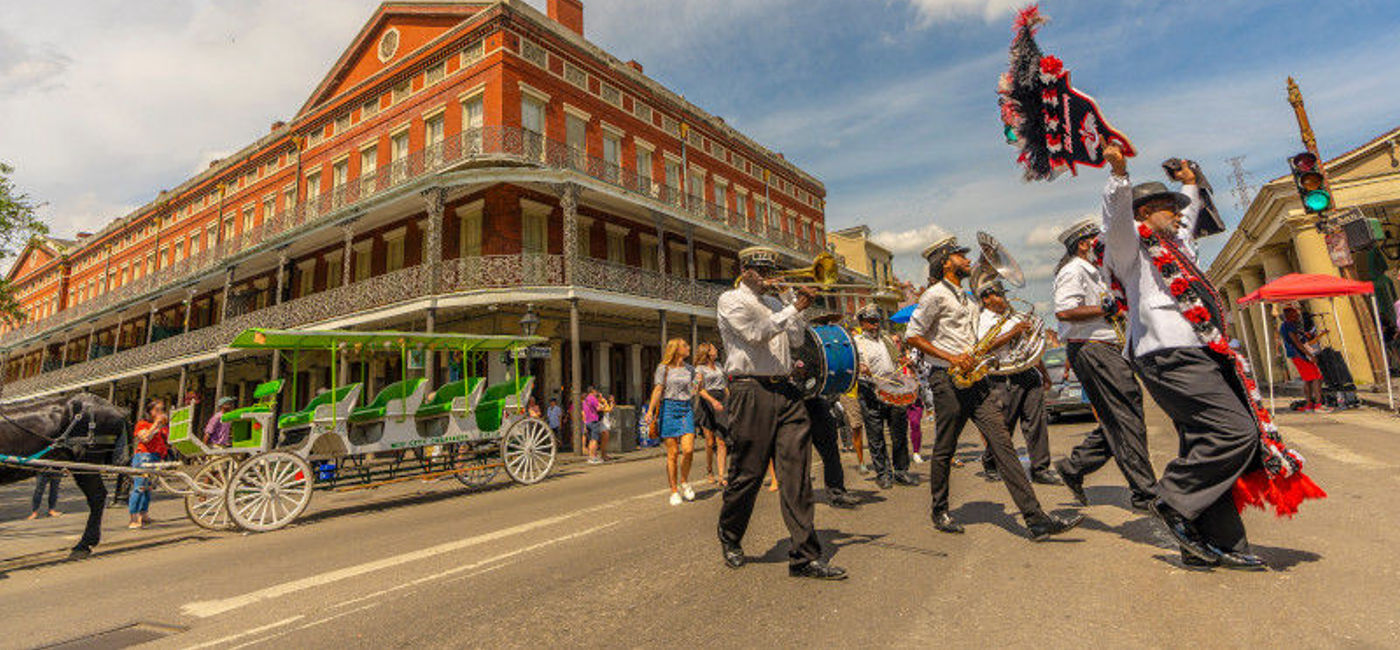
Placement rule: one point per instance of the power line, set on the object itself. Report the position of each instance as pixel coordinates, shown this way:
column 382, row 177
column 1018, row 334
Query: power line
column 1242, row 190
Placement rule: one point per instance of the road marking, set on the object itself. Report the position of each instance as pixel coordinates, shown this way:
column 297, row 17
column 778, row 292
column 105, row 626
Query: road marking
column 285, row 621
column 207, row 608
column 1330, row 449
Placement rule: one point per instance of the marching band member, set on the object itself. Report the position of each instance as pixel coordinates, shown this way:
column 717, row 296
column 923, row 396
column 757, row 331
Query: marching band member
column 826, row 424
column 1083, row 305
column 768, row 420
column 877, row 359
column 1146, row 229
column 943, row 327
column 1022, row 394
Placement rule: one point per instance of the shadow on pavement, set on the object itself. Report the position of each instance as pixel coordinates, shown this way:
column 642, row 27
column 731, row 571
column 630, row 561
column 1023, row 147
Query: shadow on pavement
column 393, row 503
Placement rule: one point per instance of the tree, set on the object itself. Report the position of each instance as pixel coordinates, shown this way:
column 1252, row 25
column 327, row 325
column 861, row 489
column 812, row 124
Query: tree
column 18, row 226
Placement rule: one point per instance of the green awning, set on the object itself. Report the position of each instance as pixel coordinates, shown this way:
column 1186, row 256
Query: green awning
column 265, row 339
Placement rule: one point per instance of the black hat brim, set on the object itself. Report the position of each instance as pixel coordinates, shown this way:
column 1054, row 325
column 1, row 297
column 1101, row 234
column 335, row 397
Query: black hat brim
column 1181, row 199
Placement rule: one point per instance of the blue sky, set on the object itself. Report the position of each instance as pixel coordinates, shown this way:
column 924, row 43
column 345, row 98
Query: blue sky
column 890, row 102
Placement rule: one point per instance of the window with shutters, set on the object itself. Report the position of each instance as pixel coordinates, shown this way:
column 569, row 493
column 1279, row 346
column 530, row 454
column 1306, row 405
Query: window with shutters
column 469, row 235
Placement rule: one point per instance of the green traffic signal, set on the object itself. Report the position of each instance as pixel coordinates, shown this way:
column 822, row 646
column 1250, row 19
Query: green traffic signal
column 1316, row 201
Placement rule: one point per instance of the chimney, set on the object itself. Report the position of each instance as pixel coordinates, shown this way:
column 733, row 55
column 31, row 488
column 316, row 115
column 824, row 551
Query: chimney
column 568, row 13
column 635, row 66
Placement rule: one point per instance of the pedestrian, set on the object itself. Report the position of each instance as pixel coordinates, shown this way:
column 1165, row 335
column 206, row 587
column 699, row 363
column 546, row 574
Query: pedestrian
column 151, row 436
column 709, row 411
column 218, row 433
column 767, row 415
column 672, row 416
column 592, row 423
column 916, row 429
column 607, row 422
column 878, row 358
column 533, row 409
column 1229, row 450
column 45, row 479
column 554, row 416
column 1299, row 345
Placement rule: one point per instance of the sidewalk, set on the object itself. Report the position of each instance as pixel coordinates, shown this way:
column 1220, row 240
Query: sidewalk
column 1293, row 390
column 28, row 544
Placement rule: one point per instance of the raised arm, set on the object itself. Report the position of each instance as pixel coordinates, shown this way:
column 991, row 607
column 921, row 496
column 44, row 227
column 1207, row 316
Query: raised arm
column 1119, row 228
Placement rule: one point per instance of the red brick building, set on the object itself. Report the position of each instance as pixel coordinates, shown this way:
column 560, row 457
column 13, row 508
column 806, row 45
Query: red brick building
column 459, row 164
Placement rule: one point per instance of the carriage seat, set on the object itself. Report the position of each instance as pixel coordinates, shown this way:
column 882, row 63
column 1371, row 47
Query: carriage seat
column 490, row 410
column 266, row 395
column 304, row 416
column 440, row 401
column 378, row 409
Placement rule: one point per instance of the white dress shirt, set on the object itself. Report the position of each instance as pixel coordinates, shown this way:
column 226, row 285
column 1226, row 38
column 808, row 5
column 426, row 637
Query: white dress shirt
column 986, row 320
column 1154, row 322
column 874, row 351
column 1080, row 283
column 758, row 332
column 947, row 318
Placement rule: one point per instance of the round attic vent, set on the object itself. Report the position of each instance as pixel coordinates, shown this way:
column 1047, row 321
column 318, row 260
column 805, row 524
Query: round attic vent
column 388, row 44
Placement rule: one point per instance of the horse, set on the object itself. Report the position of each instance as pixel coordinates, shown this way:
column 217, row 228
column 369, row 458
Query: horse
column 83, row 428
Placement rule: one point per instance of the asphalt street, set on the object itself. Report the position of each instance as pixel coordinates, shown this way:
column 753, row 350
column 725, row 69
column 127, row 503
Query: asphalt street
column 596, row 557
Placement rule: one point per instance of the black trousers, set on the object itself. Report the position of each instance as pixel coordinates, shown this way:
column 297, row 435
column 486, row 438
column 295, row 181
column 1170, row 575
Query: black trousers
column 1108, row 380
column 876, row 414
column 769, row 421
column 1022, row 397
column 952, row 408
column 824, row 426
column 1219, row 439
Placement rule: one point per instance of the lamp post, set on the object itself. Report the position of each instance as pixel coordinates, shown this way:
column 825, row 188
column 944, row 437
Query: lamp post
column 530, row 322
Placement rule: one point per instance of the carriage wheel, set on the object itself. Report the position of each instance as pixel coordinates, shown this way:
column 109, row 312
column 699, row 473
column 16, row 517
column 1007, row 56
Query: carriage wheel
column 528, row 451
column 269, row 491
column 206, row 505
column 474, row 469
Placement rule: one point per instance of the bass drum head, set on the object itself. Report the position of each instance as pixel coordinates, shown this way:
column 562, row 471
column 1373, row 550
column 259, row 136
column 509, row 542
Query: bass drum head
column 809, row 364
column 839, row 359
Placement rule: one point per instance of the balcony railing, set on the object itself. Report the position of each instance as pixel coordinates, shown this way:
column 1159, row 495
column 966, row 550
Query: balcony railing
column 463, row 274
column 503, row 144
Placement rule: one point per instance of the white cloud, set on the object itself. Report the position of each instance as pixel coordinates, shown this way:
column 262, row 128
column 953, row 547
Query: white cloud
column 909, row 241
column 931, row 11
column 26, row 67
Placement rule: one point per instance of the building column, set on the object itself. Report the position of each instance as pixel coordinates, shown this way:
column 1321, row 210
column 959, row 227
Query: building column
column 568, row 204
column 575, row 377
column 111, row 391
column 228, row 287
column 435, row 200
column 1251, row 278
column 184, row 379
column 189, row 306
column 63, row 354
column 219, row 380
column 694, row 335
column 554, row 369
column 635, row 379
column 496, row 368
column 348, row 229
column 661, row 313
column 690, row 251
column 43, row 355
column 1363, row 352
column 277, row 300
column 661, row 241
column 141, row 401
column 92, row 340
column 602, row 369
column 151, row 325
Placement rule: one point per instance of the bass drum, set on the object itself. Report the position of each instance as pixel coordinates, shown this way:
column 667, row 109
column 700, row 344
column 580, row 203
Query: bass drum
column 826, row 362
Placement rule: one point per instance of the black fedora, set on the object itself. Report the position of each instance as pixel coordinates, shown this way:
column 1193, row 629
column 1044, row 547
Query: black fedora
column 1144, row 192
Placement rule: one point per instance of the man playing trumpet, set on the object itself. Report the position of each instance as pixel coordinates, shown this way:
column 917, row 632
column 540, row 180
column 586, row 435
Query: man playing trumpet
column 943, row 328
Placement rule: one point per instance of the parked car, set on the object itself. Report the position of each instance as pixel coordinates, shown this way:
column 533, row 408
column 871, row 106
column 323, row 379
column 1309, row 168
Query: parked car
column 1066, row 396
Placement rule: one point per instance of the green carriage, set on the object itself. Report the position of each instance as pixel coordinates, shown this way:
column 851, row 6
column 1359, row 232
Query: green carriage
column 341, row 438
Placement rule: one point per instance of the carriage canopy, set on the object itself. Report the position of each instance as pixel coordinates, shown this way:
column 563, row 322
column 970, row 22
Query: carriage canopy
column 268, row 339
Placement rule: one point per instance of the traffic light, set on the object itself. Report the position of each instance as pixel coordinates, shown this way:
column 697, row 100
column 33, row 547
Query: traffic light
column 1307, row 178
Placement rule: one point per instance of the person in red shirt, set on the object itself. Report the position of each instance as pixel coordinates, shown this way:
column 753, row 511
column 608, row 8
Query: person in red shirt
column 151, row 436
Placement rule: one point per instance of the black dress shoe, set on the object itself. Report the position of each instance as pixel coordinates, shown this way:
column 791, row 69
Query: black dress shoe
column 842, row 500
column 1045, row 477
column 1053, row 525
column 1241, row 561
column 945, row 522
column 905, row 478
column 818, row 570
column 885, row 482
column 1074, row 482
column 1196, row 564
column 733, row 555
column 1184, row 531
column 991, row 475
column 1141, row 505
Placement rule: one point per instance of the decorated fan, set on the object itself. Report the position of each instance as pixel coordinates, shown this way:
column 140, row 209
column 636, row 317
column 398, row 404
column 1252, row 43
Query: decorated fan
column 1054, row 126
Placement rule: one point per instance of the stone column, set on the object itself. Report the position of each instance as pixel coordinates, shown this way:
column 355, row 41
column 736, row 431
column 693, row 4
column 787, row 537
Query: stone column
column 349, row 231
column 282, row 260
column 92, row 340
column 1363, row 353
column 184, row 379
column 636, row 380
column 219, row 380
column 145, row 388
column 43, row 355
column 575, row 377
column 602, row 369
column 694, row 334
column 111, row 391
column 435, row 200
column 568, row 204
column 690, row 251
column 151, row 325
column 1251, row 278
column 63, row 354
column 664, row 335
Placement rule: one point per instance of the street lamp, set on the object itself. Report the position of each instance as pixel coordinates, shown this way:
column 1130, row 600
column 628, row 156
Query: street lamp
column 530, row 322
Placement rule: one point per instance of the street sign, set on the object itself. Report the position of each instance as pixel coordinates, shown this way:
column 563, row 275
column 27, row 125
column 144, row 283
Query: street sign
column 1337, row 248
column 532, row 352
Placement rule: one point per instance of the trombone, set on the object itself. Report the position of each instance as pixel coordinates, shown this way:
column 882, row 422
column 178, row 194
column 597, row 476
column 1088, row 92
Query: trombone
column 824, row 275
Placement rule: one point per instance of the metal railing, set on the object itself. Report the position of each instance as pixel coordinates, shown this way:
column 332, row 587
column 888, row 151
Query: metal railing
column 502, row 144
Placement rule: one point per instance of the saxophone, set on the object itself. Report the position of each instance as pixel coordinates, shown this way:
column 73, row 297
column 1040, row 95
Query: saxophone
column 1022, row 354
column 981, row 353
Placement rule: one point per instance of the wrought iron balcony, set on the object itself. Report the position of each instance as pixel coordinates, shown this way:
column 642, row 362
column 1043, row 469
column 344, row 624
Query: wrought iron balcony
column 488, row 145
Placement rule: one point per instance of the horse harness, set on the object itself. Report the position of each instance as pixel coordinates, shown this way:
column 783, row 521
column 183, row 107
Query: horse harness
column 64, row 440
